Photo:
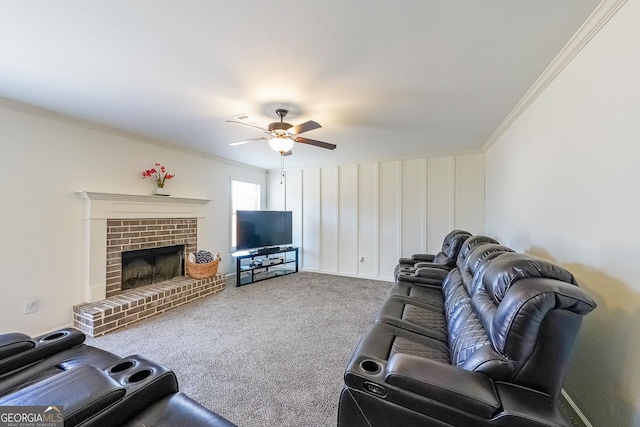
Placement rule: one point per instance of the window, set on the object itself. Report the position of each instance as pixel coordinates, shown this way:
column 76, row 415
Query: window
column 244, row 196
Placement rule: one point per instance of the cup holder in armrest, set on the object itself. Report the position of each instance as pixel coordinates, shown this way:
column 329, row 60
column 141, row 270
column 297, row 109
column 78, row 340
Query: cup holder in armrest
column 122, row 366
column 139, row 376
column 137, row 371
column 144, row 381
column 54, row 336
column 370, row 366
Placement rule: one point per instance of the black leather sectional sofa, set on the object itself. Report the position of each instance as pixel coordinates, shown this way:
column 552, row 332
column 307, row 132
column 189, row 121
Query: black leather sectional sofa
column 485, row 342
column 94, row 387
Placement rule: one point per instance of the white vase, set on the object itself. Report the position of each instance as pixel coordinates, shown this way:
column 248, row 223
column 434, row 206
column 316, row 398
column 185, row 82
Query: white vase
column 160, row 191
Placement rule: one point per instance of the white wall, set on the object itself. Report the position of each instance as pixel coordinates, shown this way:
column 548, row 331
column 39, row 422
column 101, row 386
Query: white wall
column 357, row 220
column 562, row 183
column 43, row 162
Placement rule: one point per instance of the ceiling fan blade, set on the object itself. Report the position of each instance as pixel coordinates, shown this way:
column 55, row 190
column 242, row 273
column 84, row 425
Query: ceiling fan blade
column 317, row 143
column 244, row 141
column 247, row 124
column 304, row 127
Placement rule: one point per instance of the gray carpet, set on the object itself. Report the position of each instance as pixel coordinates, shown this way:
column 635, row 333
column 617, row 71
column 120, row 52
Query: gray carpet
column 272, row 353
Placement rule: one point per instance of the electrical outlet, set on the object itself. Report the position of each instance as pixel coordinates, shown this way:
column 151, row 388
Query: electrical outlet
column 31, row 306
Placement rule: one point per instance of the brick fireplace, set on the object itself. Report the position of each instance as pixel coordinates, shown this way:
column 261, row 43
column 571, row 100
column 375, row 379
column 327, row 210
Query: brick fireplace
column 133, row 234
column 115, row 223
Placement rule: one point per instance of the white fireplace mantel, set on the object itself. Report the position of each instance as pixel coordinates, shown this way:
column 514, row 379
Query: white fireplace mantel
column 99, row 207
column 114, row 206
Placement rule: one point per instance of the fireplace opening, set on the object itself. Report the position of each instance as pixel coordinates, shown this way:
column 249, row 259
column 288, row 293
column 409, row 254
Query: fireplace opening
column 146, row 266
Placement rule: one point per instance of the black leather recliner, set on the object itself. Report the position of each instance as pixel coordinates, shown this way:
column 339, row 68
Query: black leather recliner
column 446, row 258
column 494, row 354
column 94, row 387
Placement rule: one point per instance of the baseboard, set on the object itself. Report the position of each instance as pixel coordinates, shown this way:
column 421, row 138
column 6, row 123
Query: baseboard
column 343, row 274
column 576, row 412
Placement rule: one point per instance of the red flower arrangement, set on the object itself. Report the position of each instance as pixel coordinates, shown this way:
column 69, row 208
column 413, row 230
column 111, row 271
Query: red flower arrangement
column 159, row 175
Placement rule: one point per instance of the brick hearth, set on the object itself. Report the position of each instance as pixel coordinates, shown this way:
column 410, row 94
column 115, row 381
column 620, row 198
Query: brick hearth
column 130, row 306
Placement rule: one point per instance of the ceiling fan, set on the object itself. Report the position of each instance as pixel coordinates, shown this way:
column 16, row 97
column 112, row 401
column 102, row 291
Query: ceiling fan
column 282, row 135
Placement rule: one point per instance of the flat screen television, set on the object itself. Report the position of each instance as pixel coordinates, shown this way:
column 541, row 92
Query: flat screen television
column 263, row 229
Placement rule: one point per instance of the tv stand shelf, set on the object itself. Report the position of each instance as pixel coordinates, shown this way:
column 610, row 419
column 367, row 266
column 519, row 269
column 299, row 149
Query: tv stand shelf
column 265, row 264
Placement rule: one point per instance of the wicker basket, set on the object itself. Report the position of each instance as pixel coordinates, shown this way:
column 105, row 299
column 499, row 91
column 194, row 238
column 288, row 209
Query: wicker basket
column 202, row 271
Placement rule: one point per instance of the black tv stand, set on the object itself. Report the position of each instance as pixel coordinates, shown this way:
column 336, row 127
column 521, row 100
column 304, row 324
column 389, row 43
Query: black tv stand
column 265, row 263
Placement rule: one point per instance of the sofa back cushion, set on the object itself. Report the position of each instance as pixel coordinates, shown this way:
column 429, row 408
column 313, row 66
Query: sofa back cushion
column 456, row 287
column 466, row 332
column 477, row 263
column 451, row 247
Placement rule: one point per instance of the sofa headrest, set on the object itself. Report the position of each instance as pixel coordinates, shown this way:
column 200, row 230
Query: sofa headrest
column 470, row 244
column 507, row 269
column 480, row 253
column 451, row 237
column 453, row 243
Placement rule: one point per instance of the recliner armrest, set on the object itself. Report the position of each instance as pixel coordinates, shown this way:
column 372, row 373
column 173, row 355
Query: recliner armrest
column 33, row 349
column 423, row 264
column 465, row 390
column 424, row 276
column 423, row 257
column 431, row 273
column 145, row 381
column 79, row 392
column 14, row 343
column 406, row 261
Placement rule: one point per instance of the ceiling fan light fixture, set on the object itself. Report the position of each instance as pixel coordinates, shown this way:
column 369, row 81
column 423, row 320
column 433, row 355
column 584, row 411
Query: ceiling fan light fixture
column 282, row 135
column 281, row 144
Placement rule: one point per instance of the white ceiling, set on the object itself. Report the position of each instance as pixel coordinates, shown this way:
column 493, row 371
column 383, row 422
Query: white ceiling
column 386, row 80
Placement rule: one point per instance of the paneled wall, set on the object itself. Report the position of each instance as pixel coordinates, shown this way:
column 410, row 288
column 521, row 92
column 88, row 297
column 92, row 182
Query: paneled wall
column 357, row 220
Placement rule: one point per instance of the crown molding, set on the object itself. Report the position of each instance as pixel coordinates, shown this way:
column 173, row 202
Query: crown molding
column 596, row 21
